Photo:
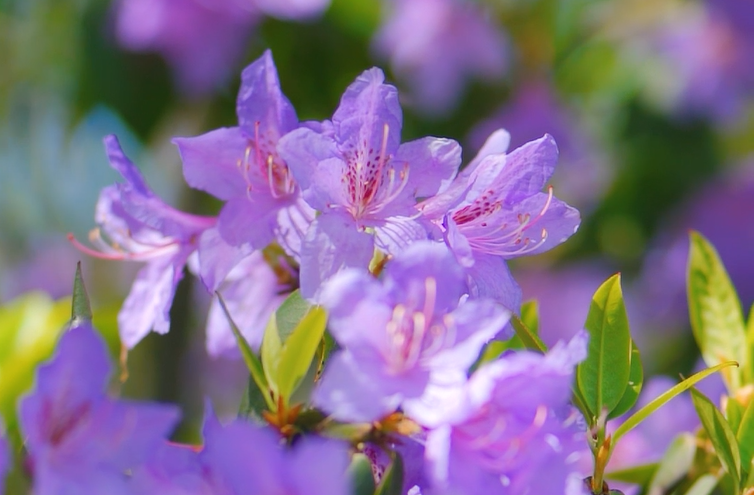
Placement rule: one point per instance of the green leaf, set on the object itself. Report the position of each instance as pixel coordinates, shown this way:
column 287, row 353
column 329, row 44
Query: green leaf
column 529, row 326
column 745, row 435
column 675, row 463
column 640, row 475
column 715, row 312
column 290, row 313
column 81, row 310
column 249, row 356
column 527, row 336
column 734, row 413
column 270, row 351
column 636, row 418
column 360, row 473
column 633, row 388
column 603, row 376
column 254, row 402
column 530, row 316
column 720, row 434
column 392, row 480
column 299, row 350
column 703, row 485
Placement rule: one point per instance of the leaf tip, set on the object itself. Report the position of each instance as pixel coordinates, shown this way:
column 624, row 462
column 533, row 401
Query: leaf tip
column 81, row 310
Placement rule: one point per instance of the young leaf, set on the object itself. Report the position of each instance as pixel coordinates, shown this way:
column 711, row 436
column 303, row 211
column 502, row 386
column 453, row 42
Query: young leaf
column 703, row 485
column 734, row 413
column 745, row 435
column 290, row 313
column 299, row 350
column 529, row 338
column 254, row 402
column 722, row 437
column 392, row 480
column 603, row 376
column 81, row 310
column 636, row 418
column 639, row 475
column 715, row 311
column 249, row 357
column 675, row 464
column 360, row 472
column 270, row 351
column 530, row 315
column 633, row 388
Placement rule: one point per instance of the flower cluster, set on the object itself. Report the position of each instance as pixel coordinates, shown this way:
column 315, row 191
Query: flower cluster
column 406, row 254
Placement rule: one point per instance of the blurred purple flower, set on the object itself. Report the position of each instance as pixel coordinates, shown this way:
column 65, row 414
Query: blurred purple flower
column 78, row 439
column 535, row 110
column 501, row 214
column 141, row 227
column 438, row 45
column 401, row 334
column 5, row 463
column 411, row 450
column 202, row 40
column 241, row 166
column 722, row 213
column 363, row 180
column 507, row 428
column 713, row 61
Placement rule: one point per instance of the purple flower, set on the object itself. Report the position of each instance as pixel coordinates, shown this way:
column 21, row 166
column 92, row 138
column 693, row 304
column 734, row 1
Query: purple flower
column 437, row 45
column 78, row 439
column 501, row 214
column 141, row 227
column 202, row 41
column 509, row 426
column 402, row 334
column 241, row 166
column 362, row 180
column 5, row 463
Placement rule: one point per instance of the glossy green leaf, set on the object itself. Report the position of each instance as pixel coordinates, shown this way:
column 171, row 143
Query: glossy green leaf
column 745, row 435
column 715, row 311
column 675, row 463
column 640, row 475
column 720, row 434
column 633, row 388
column 703, row 485
column 254, row 402
column 253, row 363
column 290, row 313
column 636, row 418
column 603, row 376
column 299, row 350
column 734, row 413
column 392, row 481
column 270, row 354
column 360, row 473
column 527, row 336
column 81, row 310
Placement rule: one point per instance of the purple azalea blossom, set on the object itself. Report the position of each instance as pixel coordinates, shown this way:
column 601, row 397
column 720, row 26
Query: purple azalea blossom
column 241, row 166
column 507, row 428
column 411, row 450
column 437, row 45
column 402, row 334
column 141, row 227
column 363, row 181
column 500, row 213
column 78, row 439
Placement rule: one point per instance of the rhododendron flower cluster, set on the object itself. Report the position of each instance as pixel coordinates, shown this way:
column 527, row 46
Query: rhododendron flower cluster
column 394, row 247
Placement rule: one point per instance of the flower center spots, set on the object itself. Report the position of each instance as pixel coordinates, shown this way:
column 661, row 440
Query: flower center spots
column 505, row 239
column 415, row 334
column 371, row 179
column 260, row 159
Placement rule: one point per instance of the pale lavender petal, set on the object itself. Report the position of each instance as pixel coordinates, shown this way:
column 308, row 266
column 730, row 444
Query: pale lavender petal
column 212, row 162
column 261, row 106
column 433, row 163
column 217, row 258
column 397, row 233
column 490, row 277
column 350, row 394
column 293, row 223
column 334, row 242
column 458, row 243
column 249, row 221
column 527, row 170
column 120, row 162
column 369, row 117
column 147, row 306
